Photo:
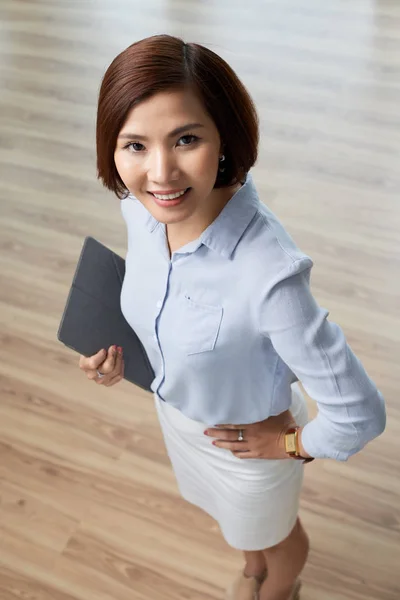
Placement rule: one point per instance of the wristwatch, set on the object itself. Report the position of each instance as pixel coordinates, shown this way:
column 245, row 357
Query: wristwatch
column 292, row 445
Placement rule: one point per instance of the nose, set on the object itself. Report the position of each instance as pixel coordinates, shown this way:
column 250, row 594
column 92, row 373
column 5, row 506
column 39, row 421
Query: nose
column 163, row 166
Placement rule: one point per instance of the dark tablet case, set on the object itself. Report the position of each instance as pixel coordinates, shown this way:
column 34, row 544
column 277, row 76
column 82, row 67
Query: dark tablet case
column 92, row 318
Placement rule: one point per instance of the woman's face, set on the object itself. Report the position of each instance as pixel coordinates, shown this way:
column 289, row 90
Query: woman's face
column 167, row 155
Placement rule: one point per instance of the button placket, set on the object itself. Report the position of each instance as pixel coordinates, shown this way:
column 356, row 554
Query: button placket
column 159, row 306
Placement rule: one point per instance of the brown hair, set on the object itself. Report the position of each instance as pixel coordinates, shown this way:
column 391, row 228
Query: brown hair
column 163, row 62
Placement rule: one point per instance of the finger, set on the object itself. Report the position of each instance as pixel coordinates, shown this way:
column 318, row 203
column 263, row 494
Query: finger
column 232, row 446
column 92, row 362
column 224, row 434
column 118, row 374
column 245, row 455
column 108, row 366
column 232, row 427
column 113, row 381
column 92, row 375
column 118, row 363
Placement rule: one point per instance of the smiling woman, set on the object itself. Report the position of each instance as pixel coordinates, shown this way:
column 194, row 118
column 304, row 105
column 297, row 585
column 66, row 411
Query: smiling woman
column 162, row 64
column 171, row 163
column 219, row 295
column 163, row 137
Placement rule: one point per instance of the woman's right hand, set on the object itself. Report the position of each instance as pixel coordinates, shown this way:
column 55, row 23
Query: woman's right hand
column 108, row 362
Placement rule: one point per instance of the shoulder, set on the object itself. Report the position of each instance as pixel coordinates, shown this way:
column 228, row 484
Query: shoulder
column 282, row 292
column 273, row 251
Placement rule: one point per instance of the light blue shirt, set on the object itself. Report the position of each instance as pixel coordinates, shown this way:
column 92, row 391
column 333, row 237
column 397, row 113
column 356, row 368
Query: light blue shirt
column 229, row 323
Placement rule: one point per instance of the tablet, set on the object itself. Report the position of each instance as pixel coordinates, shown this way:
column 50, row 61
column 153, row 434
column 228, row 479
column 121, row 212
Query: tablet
column 92, row 317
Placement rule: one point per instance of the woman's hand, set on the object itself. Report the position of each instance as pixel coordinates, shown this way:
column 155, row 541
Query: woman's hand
column 109, row 363
column 265, row 439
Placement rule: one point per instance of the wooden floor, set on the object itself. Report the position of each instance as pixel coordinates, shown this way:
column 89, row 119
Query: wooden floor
column 89, row 509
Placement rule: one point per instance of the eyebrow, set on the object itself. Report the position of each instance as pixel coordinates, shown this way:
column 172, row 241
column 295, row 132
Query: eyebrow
column 174, row 133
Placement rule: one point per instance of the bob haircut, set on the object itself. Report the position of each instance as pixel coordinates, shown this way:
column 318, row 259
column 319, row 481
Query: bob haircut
column 163, row 62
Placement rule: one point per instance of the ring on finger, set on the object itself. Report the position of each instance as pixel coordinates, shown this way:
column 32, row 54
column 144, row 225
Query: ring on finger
column 100, row 375
column 240, row 435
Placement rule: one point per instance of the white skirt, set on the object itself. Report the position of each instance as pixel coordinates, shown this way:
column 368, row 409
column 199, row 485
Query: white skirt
column 254, row 501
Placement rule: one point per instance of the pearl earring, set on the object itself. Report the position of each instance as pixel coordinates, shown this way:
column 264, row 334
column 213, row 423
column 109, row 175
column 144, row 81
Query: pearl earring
column 221, row 160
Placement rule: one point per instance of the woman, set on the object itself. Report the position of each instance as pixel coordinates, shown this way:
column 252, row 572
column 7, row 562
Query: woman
column 219, row 295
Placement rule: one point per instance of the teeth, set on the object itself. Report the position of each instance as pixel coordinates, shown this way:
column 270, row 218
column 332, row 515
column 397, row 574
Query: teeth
column 169, row 196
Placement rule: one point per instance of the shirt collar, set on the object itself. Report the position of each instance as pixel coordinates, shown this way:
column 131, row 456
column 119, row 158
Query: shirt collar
column 225, row 232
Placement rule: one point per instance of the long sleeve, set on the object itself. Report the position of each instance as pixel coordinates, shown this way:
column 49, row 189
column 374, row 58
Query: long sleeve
column 351, row 410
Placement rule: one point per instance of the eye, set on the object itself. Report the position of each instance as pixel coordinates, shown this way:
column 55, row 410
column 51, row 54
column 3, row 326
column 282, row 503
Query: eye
column 187, row 140
column 134, row 147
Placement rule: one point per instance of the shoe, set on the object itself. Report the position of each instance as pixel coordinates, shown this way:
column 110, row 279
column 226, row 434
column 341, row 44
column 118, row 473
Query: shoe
column 246, row 588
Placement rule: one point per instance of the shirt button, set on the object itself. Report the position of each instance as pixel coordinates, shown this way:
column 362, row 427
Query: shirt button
column 159, row 304
column 155, row 338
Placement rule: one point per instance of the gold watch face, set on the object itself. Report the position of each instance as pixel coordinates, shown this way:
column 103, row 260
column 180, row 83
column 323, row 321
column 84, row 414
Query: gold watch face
column 290, row 443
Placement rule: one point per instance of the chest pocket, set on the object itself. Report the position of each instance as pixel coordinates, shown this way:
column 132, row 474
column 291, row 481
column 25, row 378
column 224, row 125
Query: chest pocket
column 200, row 325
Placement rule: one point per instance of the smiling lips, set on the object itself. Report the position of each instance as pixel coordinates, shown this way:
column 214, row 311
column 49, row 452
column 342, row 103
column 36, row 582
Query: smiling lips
column 169, row 196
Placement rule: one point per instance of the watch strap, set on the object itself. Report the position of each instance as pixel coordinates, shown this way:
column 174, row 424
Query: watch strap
column 292, row 445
